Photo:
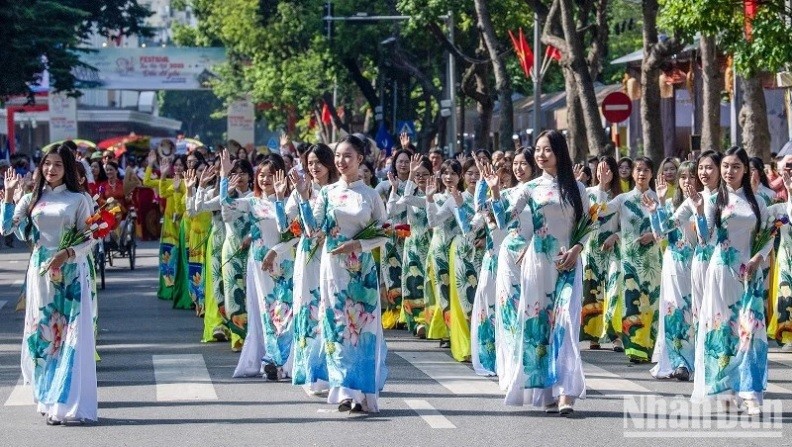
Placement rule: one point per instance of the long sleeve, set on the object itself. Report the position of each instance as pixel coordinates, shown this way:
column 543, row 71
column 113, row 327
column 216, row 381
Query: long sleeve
column 379, row 216
column 15, row 217
column 148, row 181
column 395, row 206
column 480, row 195
column 205, row 201
column 190, row 210
column 314, row 215
column 229, row 203
column 83, row 212
column 281, row 219
column 281, row 248
column 505, row 210
column 438, row 214
column 765, row 251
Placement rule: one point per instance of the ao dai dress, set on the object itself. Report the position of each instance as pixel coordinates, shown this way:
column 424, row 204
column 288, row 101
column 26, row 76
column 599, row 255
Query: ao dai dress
column 309, row 367
column 779, row 326
column 482, row 319
column 596, row 263
column 269, row 294
column 519, row 231
column 198, row 225
column 675, row 346
column 170, row 251
column 234, row 267
column 58, row 340
column 550, row 302
column 349, row 286
column 731, row 346
column 444, row 229
column 464, row 273
column 416, row 287
column 208, row 200
column 640, row 274
column 391, row 262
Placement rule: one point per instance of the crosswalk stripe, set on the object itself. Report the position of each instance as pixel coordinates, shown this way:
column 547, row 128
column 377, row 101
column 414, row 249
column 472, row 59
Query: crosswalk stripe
column 784, row 358
column 429, row 414
column 21, row 395
column 182, row 377
column 454, row 376
column 607, row 383
column 2, row 303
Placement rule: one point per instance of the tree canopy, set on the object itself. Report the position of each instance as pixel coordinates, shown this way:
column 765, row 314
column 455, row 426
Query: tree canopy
column 40, row 35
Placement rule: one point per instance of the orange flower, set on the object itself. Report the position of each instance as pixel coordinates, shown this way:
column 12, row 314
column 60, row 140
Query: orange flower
column 403, row 231
column 295, row 228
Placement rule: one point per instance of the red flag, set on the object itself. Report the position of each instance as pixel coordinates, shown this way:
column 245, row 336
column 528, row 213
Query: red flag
column 523, row 51
column 751, row 7
column 553, row 53
column 326, row 117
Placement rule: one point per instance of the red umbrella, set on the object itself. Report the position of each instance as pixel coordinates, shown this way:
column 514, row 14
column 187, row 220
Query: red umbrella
column 118, row 144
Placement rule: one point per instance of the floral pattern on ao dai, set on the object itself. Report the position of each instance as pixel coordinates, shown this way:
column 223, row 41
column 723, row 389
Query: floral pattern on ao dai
column 550, row 302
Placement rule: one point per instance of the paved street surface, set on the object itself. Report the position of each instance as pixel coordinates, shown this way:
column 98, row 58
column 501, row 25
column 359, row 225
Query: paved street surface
column 158, row 385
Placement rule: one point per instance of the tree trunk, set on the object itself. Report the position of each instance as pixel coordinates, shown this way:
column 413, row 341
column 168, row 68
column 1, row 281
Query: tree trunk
column 576, row 130
column 502, row 81
column 484, row 107
column 585, row 85
column 753, row 119
column 651, row 119
column 712, row 80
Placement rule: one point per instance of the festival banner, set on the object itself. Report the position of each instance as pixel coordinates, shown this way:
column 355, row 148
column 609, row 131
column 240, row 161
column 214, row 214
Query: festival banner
column 155, row 68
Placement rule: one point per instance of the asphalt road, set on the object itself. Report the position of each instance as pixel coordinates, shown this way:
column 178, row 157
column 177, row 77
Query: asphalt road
column 158, row 385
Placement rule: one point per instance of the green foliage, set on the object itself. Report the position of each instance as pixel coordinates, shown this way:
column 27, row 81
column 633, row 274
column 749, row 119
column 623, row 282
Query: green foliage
column 768, row 49
column 35, row 31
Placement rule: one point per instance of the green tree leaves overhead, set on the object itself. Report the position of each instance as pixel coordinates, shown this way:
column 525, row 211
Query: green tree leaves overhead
column 47, row 34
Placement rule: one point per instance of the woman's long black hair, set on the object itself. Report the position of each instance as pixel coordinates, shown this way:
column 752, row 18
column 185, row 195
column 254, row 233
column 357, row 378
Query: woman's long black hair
column 69, row 178
column 723, row 193
column 615, row 184
column 528, row 154
column 759, row 165
column 570, row 193
column 326, row 158
column 453, row 166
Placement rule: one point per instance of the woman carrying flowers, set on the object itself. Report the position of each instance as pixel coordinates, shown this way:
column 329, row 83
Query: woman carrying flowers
column 349, row 285
column 416, row 287
column 316, row 169
column 549, row 372
column 58, row 341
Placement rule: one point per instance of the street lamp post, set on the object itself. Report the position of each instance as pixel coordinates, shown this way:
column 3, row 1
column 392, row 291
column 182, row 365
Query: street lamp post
column 365, row 18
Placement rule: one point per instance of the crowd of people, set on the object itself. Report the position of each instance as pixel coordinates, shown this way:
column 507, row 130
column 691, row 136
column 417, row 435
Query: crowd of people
column 300, row 260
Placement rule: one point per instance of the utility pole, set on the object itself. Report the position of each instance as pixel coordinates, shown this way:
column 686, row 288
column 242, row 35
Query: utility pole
column 452, row 120
column 537, row 80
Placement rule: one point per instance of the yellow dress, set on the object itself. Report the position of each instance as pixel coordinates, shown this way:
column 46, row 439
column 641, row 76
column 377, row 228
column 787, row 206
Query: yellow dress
column 170, row 248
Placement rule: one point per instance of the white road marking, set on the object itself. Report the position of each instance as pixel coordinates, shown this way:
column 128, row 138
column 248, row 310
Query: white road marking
column 610, row 384
column 784, row 358
column 429, row 414
column 2, row 303
column 182, row 377
column 21, row 395
column 454, row 376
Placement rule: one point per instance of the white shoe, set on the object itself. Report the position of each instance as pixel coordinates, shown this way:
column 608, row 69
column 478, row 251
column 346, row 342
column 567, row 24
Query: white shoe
column 787, row 347
column 754, row 409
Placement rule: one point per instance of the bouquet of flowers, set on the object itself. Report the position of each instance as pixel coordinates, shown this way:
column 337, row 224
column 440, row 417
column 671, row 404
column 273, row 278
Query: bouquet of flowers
column 373, row 231
column 586, row 224
column 100, row 224
column 767, row 234
column 402, row 231
column 293, row 232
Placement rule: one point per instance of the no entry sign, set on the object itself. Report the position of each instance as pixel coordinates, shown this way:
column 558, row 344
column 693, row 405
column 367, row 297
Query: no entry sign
column 616, row 107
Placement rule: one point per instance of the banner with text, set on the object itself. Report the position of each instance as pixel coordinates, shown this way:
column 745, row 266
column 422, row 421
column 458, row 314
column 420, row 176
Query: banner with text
column 242, row 122
column 63, row 117
column 154, row 68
